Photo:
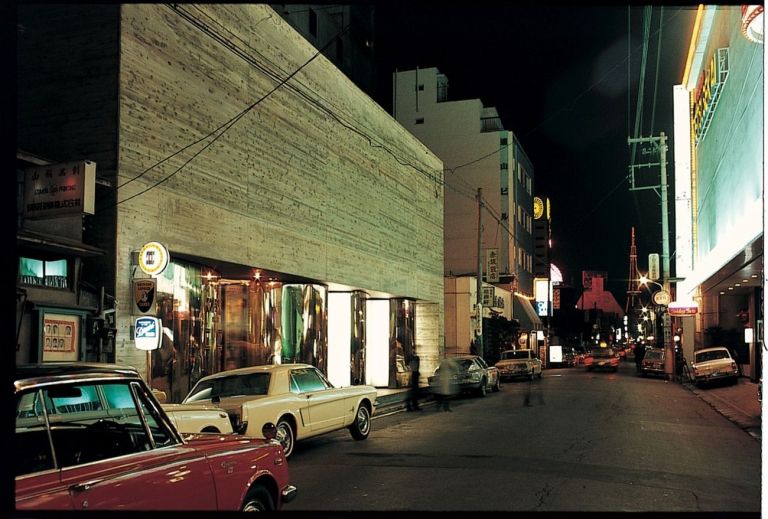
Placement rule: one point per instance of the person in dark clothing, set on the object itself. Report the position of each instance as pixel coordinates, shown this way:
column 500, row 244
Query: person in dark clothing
column 639, row 354
column 413, row 395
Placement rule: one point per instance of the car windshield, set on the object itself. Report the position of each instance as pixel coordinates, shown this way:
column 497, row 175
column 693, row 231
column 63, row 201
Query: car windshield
column 603, row 352
column 652, row 355
column 705, row 356
column 234, row 385
column 515, row 354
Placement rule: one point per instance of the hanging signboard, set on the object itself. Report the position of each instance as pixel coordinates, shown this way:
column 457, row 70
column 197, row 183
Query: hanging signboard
column 678, row 309
column 147, row 333
column 61, row 189
column 653, row 266
column 144, row 291
column 662, row 297
column 492, row 265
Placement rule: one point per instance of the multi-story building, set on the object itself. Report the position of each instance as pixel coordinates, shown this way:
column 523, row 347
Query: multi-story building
column 480, row 158
column 719, row 151
column 215, row 139
column 345, row 33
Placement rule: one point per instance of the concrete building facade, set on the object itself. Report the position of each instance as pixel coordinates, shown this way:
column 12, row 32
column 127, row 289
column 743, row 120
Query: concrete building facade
column 220, row 133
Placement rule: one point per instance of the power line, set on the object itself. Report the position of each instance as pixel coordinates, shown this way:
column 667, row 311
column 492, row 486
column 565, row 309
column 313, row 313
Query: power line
column 224, row 128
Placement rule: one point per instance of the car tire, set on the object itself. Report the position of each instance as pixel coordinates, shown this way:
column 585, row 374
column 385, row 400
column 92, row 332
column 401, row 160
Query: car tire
column 497, row 385
column 540, row 374
column 286, row 436
column 482, row 390
column 258, row 500
column 361, row 427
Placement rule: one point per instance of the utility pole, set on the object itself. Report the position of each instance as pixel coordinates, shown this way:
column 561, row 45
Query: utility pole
column 479, row 338
column 660, row 145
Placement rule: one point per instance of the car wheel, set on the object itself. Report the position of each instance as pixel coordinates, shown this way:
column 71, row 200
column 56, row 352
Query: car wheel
column 286, row 436
column 258, row 500
column 497, row 385
column 540, row 373
column 482, row 390
column 361, row 427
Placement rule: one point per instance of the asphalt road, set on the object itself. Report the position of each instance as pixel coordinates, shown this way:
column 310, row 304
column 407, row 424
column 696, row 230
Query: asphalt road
column 572, row 441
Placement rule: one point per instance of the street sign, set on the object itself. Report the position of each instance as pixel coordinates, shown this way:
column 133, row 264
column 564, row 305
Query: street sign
column 662, row 297
column 653, row 266
column 148, row 333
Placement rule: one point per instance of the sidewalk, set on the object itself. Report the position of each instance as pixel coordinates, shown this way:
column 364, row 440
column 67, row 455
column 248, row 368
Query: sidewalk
column 738, row 403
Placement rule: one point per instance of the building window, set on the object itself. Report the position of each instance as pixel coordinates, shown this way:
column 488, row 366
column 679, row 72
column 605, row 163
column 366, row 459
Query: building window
column 43, row 273
column 420, row 88
column 420, row 120
column 503, row 141
column 313, row 23
column 504, row 191
column 503, row 165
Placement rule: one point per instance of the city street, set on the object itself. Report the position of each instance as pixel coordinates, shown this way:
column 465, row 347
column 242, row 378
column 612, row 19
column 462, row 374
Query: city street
column 573, row 441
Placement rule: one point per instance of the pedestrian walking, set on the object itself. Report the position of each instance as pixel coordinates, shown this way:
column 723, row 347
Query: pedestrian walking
column 639, row 354
column 413, row 395
column 445, row 385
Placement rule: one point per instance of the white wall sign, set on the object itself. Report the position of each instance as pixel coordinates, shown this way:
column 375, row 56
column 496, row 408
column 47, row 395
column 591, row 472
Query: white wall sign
column 60, row 189
column 148, row 333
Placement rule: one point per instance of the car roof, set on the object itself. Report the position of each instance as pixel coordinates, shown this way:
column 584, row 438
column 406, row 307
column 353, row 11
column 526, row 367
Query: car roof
column 713, row 348
column 55, row 369
column 264, row 368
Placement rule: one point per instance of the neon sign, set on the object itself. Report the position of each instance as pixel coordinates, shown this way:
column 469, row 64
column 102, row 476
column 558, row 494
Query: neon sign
column 708, row 91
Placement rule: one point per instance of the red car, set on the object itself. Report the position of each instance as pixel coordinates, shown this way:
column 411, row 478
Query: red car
column 93, row 437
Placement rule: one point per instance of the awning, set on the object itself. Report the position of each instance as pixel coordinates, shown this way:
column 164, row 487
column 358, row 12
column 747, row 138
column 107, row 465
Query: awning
column 26, row 239
column 523, row 311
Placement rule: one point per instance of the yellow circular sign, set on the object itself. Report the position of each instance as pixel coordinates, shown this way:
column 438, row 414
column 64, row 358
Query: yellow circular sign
column 153, row 258
column 538, row 208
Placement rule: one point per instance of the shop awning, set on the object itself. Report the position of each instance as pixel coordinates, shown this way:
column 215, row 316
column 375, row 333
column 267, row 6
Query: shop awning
column 523, row 311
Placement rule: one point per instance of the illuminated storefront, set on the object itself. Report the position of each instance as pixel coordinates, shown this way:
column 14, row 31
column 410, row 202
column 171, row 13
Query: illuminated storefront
column 719, row 139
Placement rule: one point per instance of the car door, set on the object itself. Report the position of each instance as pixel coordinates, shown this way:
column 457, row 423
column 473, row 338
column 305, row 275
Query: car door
column 326, row 404
column 152, row 471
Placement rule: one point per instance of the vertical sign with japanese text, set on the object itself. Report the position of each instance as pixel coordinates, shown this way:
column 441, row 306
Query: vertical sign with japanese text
column 492, row 265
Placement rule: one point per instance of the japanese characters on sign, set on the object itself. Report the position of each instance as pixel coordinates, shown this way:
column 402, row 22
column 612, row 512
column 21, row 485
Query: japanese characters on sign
column 61, row 189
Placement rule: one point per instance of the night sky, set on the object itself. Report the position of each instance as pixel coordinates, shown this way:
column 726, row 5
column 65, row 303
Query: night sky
column 558, row 75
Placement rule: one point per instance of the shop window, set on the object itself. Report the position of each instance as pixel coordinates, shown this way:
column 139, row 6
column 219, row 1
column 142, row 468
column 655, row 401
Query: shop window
column 43, row 273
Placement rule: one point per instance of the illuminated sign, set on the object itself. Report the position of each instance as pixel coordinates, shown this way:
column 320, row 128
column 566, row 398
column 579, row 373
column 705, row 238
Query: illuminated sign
column 752, row 22
column 708, row 91
column 61, row 189
column 147, row 333
column 662, row 297
column 538, row 208
column 153, row 258
column 653, row 266
column 678, row 309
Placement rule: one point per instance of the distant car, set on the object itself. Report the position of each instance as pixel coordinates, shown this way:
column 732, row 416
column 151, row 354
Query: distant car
column 519, row 363
column 602, row 359
column 93, row 436
column 712, row 364
column 473, row 375
column 569, row 357
column 653, row 362
column 296, row 397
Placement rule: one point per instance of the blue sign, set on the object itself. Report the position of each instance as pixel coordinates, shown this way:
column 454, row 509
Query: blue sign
column 147, row 333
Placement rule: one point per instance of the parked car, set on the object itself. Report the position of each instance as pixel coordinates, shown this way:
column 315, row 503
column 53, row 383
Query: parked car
column 712, row 364
column 602, row 359
column 519, row 363
column 473, row 374
column 92, row 436
column 195, row 418
column 296, row 397
column 653, row 362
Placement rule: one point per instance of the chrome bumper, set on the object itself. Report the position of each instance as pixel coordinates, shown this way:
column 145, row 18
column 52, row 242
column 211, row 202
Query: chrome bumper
column 288, row 493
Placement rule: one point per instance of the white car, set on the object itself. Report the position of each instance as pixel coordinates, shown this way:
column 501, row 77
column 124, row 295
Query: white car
column 296, row 397
column 195, row 418
column 198, row 418
column 519, row 363
column 714, row 364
